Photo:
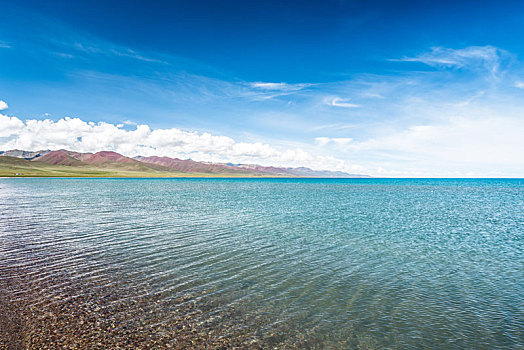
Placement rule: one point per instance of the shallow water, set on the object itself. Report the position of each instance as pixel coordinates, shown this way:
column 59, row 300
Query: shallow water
column 297, row 263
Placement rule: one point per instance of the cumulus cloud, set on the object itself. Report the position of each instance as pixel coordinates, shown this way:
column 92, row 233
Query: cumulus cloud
column 340, row 102
column 81, row 136
column 10, row 126
column 3, row 105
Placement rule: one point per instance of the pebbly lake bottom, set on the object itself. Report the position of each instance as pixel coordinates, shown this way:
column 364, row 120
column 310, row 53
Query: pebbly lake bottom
column 283, row 263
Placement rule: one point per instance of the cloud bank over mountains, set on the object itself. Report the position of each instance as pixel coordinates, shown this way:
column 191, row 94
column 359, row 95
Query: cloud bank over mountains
column 81, row 136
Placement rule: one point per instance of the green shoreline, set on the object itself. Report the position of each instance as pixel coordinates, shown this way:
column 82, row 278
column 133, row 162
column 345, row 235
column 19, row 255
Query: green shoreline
column 149, row 176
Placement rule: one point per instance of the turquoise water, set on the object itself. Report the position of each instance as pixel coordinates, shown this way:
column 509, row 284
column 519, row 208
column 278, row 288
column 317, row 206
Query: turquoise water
column 356, row 263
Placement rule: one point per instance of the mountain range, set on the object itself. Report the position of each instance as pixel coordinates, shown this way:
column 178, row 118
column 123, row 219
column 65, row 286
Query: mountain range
column 107, row 163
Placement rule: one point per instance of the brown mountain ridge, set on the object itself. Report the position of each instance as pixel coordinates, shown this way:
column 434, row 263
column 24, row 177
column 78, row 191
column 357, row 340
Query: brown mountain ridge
column 154, row 164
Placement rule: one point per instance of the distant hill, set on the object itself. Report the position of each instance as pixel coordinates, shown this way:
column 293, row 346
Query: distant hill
column 24, row 154
column 188, row 166
column 58, row 158
column 108, row 163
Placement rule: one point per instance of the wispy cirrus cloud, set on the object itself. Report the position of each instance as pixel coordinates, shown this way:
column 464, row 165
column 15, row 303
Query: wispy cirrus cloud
column 56, row 39
column 519, row 84
column 94, row 46
column 4, row 45
column 265, row 90
column 488, row 57
column 286, row 87
column 340, row 102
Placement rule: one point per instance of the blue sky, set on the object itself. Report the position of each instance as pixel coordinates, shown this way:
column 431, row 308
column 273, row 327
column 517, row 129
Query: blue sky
column 387, row 88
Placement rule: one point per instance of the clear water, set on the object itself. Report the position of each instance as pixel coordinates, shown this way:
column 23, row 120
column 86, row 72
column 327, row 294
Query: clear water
column 358, row 263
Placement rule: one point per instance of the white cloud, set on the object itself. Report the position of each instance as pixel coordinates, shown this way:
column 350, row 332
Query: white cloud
column 339, row 141
column 94, row 46
column 4, row 45
column 335, row 126
column 488, row 57
column 458, row 146
column 340, row 102
column 3, row 105
column 64, row 55
column 261, row 91
column 519, row 84
column 372, row 95
column 322, row 141
column 77, row 135
column 278, row 86
column 10, row 126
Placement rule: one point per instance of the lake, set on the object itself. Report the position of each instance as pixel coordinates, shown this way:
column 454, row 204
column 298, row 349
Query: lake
column 262, row 263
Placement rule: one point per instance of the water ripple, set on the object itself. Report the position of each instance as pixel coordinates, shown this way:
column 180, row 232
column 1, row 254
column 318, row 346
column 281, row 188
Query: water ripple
column 391, row 264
